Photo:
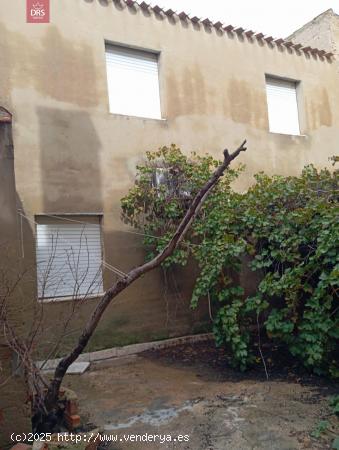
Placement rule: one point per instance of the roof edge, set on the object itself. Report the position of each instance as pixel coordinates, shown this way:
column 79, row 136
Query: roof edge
column 297, row 48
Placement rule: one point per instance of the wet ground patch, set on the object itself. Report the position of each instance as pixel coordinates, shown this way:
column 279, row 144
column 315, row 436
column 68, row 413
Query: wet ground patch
column 191, row 390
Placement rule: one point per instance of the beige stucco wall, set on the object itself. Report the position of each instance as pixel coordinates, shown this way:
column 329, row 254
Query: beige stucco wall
column 73, row 156
column 14, row 411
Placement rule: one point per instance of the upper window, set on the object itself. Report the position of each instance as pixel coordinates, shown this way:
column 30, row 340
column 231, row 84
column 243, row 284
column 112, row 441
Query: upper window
column 133, row 82
column 69, row 256
column 282, row 105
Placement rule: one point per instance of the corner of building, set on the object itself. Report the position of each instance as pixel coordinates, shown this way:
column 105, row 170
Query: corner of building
column 319, row 32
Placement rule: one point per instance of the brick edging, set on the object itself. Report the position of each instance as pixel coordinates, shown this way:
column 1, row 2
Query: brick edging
column 133, row 349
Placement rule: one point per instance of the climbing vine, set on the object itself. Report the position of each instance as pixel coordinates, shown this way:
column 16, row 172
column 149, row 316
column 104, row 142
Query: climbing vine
column 287, row 227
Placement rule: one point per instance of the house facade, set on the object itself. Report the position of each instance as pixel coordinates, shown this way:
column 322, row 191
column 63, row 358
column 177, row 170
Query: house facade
column 103, row 82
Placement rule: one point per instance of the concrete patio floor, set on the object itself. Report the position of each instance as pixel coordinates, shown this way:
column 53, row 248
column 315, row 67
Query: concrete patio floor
column 138, row 395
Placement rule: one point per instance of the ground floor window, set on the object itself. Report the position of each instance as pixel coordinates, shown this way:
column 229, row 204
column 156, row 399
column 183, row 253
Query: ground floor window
column 69, row 256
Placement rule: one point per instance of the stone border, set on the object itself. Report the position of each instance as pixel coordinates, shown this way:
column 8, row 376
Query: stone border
column 128, row 350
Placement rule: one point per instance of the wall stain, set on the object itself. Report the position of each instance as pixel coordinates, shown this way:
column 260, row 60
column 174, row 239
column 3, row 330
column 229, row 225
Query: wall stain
column 325, row 113
column 61, row 69
column 71, row 178
column 71, row 70
column 320, row 113
column 173, row 100
column 190, row 87
column 246, row 104
column 194, row 90
column 313, row 115
column 240, row 99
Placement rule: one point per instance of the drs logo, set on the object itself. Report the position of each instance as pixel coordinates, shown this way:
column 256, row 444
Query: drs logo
column 37, row 11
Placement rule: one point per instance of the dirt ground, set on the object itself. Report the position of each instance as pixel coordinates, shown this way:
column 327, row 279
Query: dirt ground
column 191, row 391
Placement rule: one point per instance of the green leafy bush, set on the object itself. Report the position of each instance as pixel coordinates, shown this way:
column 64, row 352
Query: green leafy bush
column 289, row 228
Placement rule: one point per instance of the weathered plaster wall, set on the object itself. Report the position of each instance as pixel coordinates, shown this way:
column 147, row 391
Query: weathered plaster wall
column 73, row 156
column 335, row 34
column 14, row 413
column 318, row 32
column 321, row 32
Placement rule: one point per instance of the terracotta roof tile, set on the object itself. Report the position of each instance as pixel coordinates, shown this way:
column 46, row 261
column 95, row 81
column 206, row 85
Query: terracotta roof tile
column 207, row 22
column 195, row 19
column 183, row 15
column 157, row 9
column 229, row 28
column 259, row 35
column 169, row 12
column 279, row 41
column 144, row 5
column 217, row 25
column 239, row 30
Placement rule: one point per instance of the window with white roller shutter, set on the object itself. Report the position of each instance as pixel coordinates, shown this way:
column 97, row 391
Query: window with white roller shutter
column 69, row 256
column 133, row 82
column 282, row 103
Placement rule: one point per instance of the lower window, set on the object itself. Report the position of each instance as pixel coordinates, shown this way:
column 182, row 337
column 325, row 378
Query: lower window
column 69, row 256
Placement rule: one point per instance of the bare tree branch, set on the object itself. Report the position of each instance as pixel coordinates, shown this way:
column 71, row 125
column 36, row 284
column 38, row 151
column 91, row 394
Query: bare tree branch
column 133, row 275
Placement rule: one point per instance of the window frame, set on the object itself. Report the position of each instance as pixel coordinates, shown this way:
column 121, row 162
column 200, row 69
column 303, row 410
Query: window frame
column 52, row 218
column 298, row 94
column 158, row 54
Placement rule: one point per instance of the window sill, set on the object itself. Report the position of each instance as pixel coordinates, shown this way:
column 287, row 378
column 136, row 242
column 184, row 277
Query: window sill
column 288, row 134
column 69, row 298
column 127, row 116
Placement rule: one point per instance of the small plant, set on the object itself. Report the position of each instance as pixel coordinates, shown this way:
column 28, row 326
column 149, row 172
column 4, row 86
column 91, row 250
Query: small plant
column 321, row 427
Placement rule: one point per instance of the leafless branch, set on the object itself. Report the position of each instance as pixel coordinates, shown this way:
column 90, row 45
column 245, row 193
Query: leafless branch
column 134, row 274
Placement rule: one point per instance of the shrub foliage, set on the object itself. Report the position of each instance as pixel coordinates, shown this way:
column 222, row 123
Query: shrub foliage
column 286, row 226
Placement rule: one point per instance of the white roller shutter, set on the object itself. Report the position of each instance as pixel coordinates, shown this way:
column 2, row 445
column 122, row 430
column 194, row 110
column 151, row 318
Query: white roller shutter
column 68, row 258
column 133, row 82
column 282, row 106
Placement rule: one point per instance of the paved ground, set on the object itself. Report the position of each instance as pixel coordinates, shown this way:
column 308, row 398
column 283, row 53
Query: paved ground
column 141, row 395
